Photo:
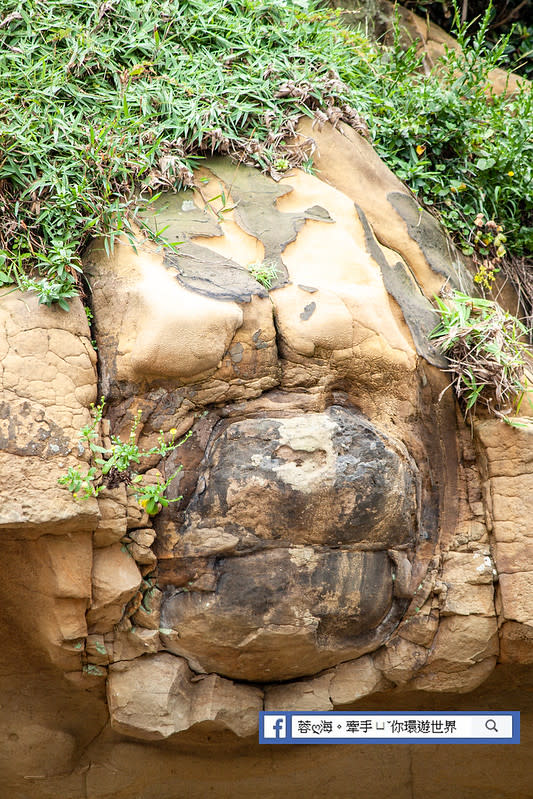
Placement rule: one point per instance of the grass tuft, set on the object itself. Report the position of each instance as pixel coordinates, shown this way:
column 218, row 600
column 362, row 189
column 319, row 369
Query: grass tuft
column 105, row 104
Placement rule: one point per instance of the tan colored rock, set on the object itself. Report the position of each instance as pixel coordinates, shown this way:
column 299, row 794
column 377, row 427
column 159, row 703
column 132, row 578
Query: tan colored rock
column 354, row 680
column 304, row 695
column 349, row 163
column 96, row 651
column 153, row 698
column 149, row 613
column 516, row 592
column 400, row 660
column 227, row 704
column 47, row 380
column 142, row 555
column 136, row 516
column 116, row 579
column 461, row 681
column 144, row 538
column 421, row 627
column 516, row 642
column 507, row 466
column 131, row 644
column 112, row 525
column 143, row 322
column 460, row 642
column 468, row 578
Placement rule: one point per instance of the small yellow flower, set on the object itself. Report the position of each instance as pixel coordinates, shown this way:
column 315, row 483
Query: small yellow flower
column 173, row 431
column 510, row 173
column 75, row 495
column 420, row 149
column 143, row 503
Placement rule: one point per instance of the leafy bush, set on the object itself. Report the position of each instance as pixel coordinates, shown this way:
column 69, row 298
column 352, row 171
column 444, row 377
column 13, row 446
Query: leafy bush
column 505, row 18
column 103, row 104
column 466, row 155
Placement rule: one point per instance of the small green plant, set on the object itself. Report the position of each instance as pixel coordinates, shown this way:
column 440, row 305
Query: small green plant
column 264, row 272
column 152, row 497
column 486, row 354
column 113, row 465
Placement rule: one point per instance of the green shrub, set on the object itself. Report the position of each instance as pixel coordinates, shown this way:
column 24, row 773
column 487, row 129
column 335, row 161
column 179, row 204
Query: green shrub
column 486, row 354
column 102, row 105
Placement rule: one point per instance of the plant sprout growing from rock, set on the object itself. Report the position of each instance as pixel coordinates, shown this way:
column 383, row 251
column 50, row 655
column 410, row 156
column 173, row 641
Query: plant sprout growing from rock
column 113, row 465
column 486, row 354
column 264, row 272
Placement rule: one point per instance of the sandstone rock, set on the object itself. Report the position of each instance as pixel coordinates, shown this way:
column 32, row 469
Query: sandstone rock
column 47, row 381
column 460, row 642
column 153, row 698
column 133, row 643
column 321, row 479
column 400, row 660
column 283, row 614
column 142, row 555
column 354, row 680
column 144, row 538
column 329, row 490
column 303, row 695
column 507, row 463
column 96, row 651
column 142, row 321
column 136, row 517
column 468, row 578
column 116, row 579
column 461, row 681
column 421, row 627
column 358, row 172
column 516, row 643
column 112, row 525
column 516, row 593
column 227, row 704
column 149, row 613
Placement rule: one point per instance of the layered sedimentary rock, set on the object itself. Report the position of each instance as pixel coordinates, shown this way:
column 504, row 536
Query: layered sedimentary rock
column 340, row 535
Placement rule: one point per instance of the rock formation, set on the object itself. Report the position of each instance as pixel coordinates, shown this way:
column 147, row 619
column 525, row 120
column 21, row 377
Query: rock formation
column 343, row 536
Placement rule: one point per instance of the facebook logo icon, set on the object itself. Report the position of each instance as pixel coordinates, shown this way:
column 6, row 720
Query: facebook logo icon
column 274, row 726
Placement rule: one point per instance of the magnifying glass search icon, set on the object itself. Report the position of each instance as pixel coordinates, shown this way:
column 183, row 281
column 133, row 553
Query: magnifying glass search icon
column 490, row 724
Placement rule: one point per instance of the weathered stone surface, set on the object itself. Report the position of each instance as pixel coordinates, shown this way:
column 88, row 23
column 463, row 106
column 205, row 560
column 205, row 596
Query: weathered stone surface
column 400, row 659
column 354, row 680
column 283, row 613
column 142, row 554
column 468, row 578
column 461, row 681
column 303, row 695
column 47, row 381
column 131, row 644
column 153, row 698
column 96, row 651
column 462, row 656
column 307, row 540
column 516, row 643
column 507, row 466
column 316, row 479
column 116, row 579
column 149, row 613
column 144, row 538
column 112, row 525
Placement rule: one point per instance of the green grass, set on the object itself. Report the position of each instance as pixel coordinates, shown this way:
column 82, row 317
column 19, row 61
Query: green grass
column 103, row 105
column 487, row 356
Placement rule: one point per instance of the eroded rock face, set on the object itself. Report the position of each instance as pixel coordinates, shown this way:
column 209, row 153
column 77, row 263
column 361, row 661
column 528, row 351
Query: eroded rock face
column 297, row 514
column 339, row 534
